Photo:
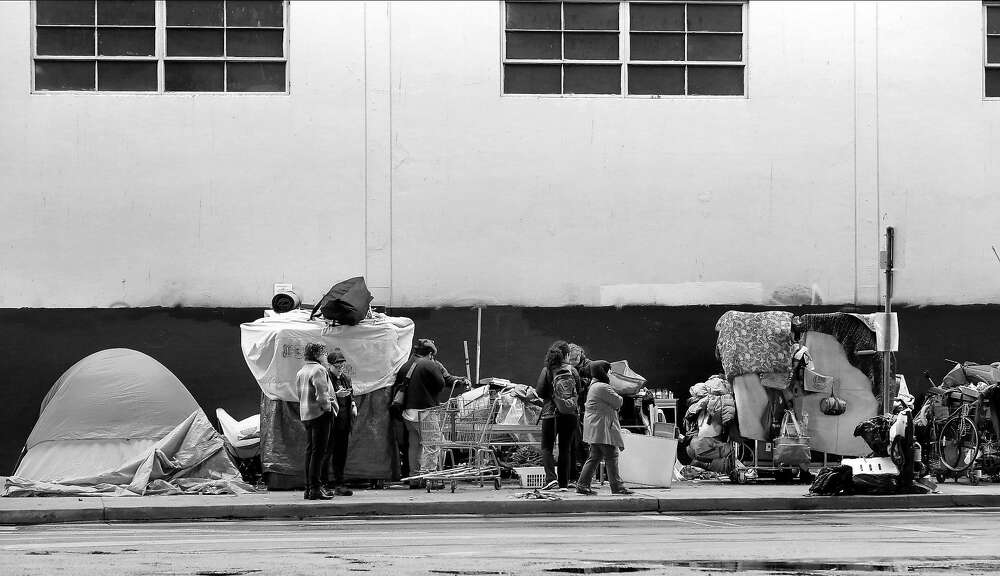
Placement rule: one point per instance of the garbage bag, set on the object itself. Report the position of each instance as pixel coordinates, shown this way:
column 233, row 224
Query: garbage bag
column 346, row 302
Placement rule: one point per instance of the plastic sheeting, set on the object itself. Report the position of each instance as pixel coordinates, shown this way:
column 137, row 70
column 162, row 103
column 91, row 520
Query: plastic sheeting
column 375, row 350
column 190, row 459
column 371, row 452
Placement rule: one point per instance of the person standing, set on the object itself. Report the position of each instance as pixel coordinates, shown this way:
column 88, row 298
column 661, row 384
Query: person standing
column 340, row 429
column 602, row 431
column 558, row 385
column 426, row 383
column 316, row 411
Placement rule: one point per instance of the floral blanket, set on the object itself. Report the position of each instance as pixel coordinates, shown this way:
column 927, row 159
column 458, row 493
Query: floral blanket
column 754, row 342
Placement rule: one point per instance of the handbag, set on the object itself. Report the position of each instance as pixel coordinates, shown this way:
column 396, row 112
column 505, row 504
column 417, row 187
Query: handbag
column 831, row 405
column 398, row 403
column 791, row 448
column 775, row 380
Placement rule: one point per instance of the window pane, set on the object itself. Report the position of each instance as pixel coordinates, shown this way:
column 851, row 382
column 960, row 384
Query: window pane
column 655, row 80
column 533, row 16
column 194, row 13
column 126, row 41
column 656, row 46
column 255, row 43
column 126, row 13
column 64, row 75
column 591, row 16
column 64, row 12
column 993, row 20
column 663, row 17
column 715, row 80
column 724, row 18
column 715, row 47
column 194, row 42
column 591, row 46
column 533, row 45
column 192, row 76
column 254, row 13
column 993, row 82
column 65, row 41
column 134, row 76
column 255, row 77
column 993, row 49
column 531, row 79
column 590, row 79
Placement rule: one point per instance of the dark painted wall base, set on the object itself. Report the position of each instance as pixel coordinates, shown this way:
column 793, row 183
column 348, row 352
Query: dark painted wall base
column 672, row 347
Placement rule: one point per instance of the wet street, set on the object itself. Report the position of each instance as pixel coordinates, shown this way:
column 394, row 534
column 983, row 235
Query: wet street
column 961, row 541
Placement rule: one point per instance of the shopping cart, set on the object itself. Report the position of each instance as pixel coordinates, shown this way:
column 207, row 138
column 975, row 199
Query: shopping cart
column 457, row 429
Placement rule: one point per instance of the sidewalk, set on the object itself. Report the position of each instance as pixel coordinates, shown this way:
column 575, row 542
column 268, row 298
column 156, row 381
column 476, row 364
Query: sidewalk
column 687, row 496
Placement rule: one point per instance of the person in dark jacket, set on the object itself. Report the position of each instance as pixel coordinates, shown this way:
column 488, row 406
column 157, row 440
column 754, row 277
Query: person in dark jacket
column 555, row 424
column 428, row 380
column 340, row 431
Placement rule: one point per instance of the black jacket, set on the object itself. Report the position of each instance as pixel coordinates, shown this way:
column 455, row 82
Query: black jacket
column 426, row 383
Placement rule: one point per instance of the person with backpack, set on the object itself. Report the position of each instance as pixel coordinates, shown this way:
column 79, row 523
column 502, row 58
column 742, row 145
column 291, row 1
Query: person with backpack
column 602, row 431
column 558, row 386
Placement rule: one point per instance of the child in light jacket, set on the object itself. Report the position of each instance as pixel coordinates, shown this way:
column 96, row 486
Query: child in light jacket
column 602, row 431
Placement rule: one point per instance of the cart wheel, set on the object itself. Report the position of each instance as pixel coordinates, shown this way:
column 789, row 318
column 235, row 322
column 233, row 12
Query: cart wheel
column 973, row 479
column 940, row 477
column 496, row 483
column 453, row 486
column 428, row 486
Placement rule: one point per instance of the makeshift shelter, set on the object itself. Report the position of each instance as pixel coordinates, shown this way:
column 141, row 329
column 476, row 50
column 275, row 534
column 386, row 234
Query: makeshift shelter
column 375, row 349
column 119, row 422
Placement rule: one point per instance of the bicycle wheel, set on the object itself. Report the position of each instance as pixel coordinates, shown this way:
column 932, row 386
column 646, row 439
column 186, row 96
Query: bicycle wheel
column 958, row 443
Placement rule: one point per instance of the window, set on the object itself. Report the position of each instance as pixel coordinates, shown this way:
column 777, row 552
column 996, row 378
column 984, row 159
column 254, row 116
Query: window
column 160, row 46
column 633, row 48
column 992, row 10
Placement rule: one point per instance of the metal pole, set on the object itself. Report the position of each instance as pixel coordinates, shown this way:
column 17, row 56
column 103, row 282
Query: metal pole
column 479, row 338
column 886, row 354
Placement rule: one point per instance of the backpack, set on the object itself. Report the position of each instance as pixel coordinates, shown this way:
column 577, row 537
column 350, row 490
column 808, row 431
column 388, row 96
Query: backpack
column 564, row 391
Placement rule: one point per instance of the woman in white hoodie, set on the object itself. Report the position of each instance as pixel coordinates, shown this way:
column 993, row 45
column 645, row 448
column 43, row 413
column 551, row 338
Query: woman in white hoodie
column 602, row 431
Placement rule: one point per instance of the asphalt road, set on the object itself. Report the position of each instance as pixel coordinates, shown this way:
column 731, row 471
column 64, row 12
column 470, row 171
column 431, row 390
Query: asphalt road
column 952, row 542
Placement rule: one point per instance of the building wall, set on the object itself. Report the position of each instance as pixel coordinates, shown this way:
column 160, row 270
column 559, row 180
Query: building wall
column 395, row 156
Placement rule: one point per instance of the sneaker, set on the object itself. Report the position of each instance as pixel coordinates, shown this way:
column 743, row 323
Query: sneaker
column 586, row 491
column 343, row 491
column 622, row 491
column 551, row 485
column 318, row 495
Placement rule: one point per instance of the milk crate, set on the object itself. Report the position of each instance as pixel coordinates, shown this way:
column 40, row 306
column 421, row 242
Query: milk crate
column 531, row 476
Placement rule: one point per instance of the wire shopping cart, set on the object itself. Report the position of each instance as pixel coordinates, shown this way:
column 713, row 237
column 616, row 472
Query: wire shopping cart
column 460, row 428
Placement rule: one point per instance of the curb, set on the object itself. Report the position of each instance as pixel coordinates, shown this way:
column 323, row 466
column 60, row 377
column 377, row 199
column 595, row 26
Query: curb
column 94, row 511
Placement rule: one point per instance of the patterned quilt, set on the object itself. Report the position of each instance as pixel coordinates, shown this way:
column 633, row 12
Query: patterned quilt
column 754, row 342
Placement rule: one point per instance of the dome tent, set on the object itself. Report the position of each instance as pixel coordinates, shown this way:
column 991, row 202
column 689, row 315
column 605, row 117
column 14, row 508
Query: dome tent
column 121, row 420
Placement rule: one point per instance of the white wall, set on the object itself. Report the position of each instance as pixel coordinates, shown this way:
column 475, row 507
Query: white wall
column 396, row 156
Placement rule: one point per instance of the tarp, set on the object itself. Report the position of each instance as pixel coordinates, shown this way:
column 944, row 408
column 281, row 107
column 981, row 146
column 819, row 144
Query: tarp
column 375, row 349
column 371, row 452
column 191, row 459
column 114, row 423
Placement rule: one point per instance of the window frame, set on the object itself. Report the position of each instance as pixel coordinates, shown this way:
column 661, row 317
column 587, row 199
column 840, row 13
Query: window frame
column 160, row 56
column 625, row 53
column 987, row 4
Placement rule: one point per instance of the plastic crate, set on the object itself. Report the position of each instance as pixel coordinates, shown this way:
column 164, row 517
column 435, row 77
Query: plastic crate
column 531, row 476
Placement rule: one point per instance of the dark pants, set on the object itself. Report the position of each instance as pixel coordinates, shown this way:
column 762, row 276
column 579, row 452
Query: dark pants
column 599, row 452
column 317, row 438
column 336, row 451
column 564, row 427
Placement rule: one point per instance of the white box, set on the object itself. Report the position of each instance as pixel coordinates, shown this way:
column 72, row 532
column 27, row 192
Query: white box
column 648, row 460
